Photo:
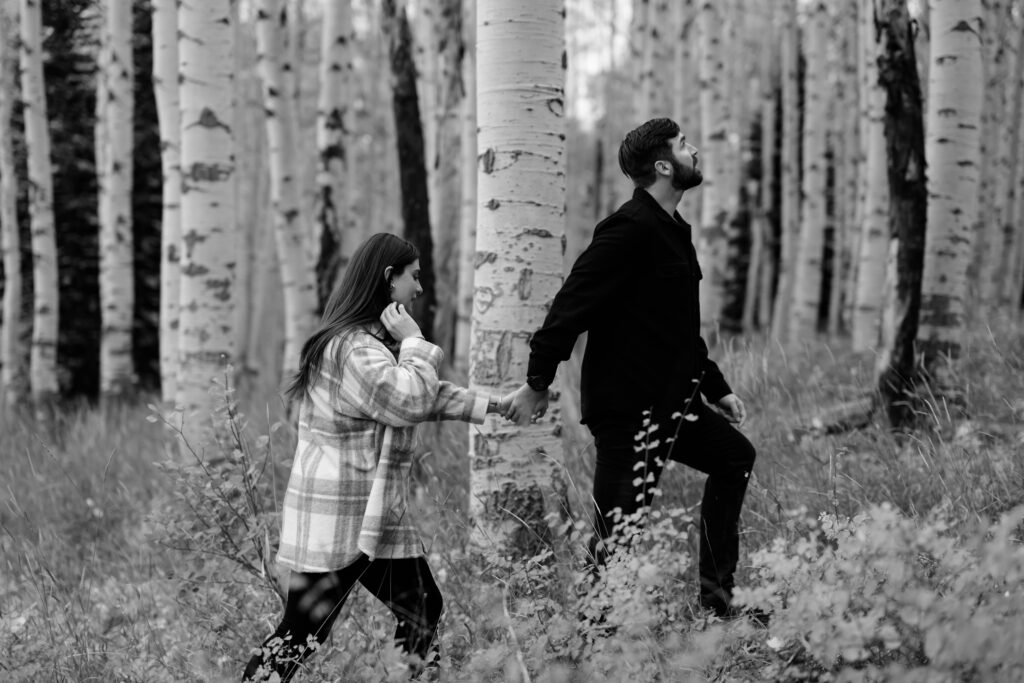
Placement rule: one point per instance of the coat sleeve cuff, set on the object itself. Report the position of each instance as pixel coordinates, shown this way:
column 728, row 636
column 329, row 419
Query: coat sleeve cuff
column 715, row 389
column 418, row 347
column 478, row 408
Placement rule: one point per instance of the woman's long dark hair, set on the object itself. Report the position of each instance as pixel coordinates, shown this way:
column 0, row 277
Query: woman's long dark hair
column 358, row 300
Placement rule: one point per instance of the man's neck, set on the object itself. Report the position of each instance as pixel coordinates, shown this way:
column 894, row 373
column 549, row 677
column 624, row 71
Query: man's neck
column 666, row 196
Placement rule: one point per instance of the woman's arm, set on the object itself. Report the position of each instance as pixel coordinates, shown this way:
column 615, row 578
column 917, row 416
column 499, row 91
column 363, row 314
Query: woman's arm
column 397, row 393
column 458, row 403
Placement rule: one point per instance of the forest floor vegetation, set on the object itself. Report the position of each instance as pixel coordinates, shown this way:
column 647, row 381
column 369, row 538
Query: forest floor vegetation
column 879, row 556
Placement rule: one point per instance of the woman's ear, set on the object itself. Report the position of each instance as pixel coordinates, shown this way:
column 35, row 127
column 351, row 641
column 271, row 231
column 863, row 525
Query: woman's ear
column 387, row 273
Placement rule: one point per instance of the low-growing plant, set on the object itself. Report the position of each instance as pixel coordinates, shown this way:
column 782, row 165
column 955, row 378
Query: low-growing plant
column 881, row 596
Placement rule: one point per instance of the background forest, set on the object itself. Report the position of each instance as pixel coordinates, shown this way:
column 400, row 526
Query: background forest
column 182, row 184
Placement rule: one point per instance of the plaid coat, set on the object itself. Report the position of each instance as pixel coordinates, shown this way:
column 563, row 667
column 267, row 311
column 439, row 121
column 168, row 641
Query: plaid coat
column 347, row 493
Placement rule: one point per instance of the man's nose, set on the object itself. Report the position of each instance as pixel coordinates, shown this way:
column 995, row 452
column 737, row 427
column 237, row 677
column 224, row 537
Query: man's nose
column 690, row 148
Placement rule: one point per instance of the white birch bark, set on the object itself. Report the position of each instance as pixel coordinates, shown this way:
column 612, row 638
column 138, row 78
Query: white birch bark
column 953, row 151
column 206, row 340
column 685, row 108
column 520, row 226
column 712, row 238
column 446, row 188
column 852, row 161
column 245, row 190
column 165, row 86
column 769, row 143
column 333, row 127
column 467, row 215
column 685, row 111
column 658, row 52
column 993, row 160
column 43, row 358
column 12, row 365
column 790, row 170
column 290, row 229
column 845, row 128
column 295, row 45
column 1000, row 246
column 874, row 227
column 639, row 61
column 1014, row 280
column 807, row 267
column 115, row 161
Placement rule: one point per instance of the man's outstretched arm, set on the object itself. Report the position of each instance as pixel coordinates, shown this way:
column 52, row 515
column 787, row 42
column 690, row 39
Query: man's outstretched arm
column 603, row 269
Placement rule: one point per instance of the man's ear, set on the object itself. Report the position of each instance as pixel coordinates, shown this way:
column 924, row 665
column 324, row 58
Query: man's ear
column 387, row 273
column 662, row 166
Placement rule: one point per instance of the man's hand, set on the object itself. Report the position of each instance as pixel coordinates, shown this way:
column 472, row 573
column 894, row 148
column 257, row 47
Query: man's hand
column 732, row 409
column 527, row 404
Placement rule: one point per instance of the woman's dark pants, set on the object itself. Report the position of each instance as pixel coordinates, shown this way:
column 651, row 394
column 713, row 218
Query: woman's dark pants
column 406, row 586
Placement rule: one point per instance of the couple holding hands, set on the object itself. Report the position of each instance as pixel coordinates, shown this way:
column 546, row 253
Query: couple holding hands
column 367, row 377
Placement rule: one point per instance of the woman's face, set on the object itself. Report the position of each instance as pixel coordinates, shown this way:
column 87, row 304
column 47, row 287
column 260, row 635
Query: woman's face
column 406, row 286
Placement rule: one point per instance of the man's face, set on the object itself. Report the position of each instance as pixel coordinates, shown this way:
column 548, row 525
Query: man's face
column 685, row 173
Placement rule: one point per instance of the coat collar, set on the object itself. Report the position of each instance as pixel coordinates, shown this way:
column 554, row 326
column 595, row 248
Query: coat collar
column 672, row 228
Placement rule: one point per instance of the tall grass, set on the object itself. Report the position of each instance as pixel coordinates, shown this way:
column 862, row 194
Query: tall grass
column 115, row 568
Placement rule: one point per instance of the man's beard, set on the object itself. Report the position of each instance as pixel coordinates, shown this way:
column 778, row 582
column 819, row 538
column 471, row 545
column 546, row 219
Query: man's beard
column 684, row 178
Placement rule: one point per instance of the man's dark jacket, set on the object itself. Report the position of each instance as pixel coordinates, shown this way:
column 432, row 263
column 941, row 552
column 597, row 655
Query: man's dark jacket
column 634, row 290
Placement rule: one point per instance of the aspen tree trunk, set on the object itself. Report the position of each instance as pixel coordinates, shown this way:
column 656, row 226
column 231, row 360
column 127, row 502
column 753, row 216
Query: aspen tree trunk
column 254, row 277
column 904, row 139
column 953, row 151
column 12, row 366
column 767, row 211
column 640, row 60
column 790, row 180
column 43, row 360
column 294, row 47
column 803, row 322
column 515, row 477
column 425, row 48
column 467, row 214
column 1001, row 246
column 446, row 197
column 165, row 86
column 845, row 146
column 411, row 160
column 244, row 187
column 292, row 235
column 995, row 74
column 619, row 115
column 874, row 228
column 758, row 228
column 1012, row 283
column 208, row 203
column 712, row 239
column 658, row 53
column 685, row 108
column 333, row 126
column 115, row 146
column 852, row 161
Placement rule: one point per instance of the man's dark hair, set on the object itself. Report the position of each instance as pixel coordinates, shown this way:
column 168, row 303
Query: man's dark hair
column 642, row 146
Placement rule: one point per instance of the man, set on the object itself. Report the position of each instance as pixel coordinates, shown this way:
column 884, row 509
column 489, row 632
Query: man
column 634, row 290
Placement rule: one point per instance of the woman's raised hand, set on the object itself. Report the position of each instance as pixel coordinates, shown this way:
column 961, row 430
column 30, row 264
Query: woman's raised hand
column 399, row 323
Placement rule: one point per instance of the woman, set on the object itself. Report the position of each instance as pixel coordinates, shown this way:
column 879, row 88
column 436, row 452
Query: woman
column 366, row 378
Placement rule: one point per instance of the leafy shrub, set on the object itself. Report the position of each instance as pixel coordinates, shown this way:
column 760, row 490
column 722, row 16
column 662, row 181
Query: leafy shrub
column 880, row 596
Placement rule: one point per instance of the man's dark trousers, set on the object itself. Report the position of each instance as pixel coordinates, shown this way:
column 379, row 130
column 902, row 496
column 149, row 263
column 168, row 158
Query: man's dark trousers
column 708, row 444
